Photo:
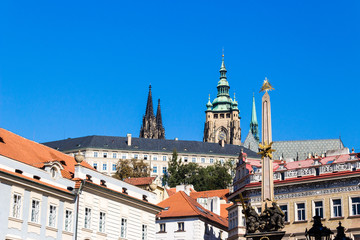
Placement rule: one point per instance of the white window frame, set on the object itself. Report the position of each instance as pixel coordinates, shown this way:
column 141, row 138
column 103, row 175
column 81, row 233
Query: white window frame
column 35, row 211
column 314, row 207
column 123, row 228
column 351, row 206
column 95, row 165
column 154, row 169
column 211, row 160
column 68, row 220
column 123, row 156
column 193, row 159
column 52, row 218
column 203, row 160
column 114, row 155
column 164, row 170
column 87, row 218
column 164, row 158
column 102, row 221
column 96, row 154
column 16, row 210
column 146, row 157
column 136, row 156
column 162, row 227
column 155, row 157
column 181, row 226
column 104, row 167
column 105, row 155
column 332, row 207
column 296, row 212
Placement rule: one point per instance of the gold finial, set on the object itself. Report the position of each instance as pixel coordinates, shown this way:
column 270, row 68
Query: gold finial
column 266, row 86
column 222, row 52
column 209, row 96
column 234, row 96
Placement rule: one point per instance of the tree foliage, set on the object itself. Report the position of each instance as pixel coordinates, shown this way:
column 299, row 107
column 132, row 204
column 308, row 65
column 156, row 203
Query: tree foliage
column 212, row 177
column 131, row 168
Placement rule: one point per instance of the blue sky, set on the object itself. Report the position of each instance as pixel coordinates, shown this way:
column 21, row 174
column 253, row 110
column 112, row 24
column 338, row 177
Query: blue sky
column 76, row 68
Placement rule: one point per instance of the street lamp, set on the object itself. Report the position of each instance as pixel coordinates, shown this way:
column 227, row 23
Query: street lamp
column 318, row 231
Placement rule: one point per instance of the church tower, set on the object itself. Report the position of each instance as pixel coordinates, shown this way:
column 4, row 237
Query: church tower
column 222, row 122
column 254, row 127
column 152, row 126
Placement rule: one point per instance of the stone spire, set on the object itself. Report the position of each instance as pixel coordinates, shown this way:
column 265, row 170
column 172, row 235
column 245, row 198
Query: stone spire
column 254, row 127
column 152, row 126
column 159, row 126
column 149, row 106
column 223, row 85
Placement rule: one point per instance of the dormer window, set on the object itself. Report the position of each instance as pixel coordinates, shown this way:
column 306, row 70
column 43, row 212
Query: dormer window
column 54, row 172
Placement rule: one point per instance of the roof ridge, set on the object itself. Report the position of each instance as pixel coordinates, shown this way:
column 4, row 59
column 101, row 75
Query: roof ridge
column 187, row 198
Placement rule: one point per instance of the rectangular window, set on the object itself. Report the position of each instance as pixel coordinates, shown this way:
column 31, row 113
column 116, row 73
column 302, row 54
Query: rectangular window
column 162, row 227
column 114, row 155
column 105, row 155
column 102, row 222
column 337, row 208
column 284, row 209
column 181, row 226
column 319, row 210
column 16, row 206
column 123, row 229
column 164, row 158
column 300, row 208
column 144, row 232
column 114, row 167
column 185, row 159
column 154, row 158
column 35, row 206
column 355, row 206
column 123, row 156
column 87, row 220
column 95, row 165
column 145, row 157
column 211, row 160
column 96, row 154
column 136, row 156
column 222, row 161
column 193, row 159
column 202, row 160
column 164, row 170
column 215, row 116
column 68, row 221
column 259, row 210
column 104, row 167
column 52, row 216
column 155, row 169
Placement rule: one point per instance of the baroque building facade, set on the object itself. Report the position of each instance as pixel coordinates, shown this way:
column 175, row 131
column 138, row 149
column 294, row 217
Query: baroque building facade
column 325, row 186
column 222, row 123
column 152, row 126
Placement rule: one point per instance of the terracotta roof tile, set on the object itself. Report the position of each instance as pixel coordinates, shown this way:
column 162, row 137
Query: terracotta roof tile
column 223, row 212
column 35, row 154
column 221, row 193
column 139, row 181
column 181, row 205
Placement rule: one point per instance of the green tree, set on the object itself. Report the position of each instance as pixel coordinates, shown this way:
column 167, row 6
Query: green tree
column 131, row 168
column 217, row 176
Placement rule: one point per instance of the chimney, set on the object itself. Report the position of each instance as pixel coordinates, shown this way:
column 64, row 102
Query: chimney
column 128, row 139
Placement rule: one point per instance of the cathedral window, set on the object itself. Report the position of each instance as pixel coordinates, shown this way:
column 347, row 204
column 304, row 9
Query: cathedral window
column 222, row 115
column 215, row 116
column 228, row 115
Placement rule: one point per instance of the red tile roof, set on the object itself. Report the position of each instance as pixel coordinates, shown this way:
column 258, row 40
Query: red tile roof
column 223, row 212
column 221, row 193
column 181, row 205
column 35, row 154
column 172, row 191
column 139, row 181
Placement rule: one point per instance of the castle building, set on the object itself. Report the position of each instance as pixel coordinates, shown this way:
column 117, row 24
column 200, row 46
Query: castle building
column 152, row 126
column 222, row 122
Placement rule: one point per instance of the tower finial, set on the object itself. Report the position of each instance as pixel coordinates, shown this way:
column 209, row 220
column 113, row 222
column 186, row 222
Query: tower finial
column 222, row 53
column 209, row 97
column 234, row 97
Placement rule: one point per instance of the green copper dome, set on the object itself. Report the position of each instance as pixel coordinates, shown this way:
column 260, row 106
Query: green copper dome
column 223, row 102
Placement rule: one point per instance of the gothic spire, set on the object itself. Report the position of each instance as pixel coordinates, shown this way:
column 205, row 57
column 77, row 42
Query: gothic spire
column 254, row 123
column 158, row 116
column 223, row 69
column 149, row 106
